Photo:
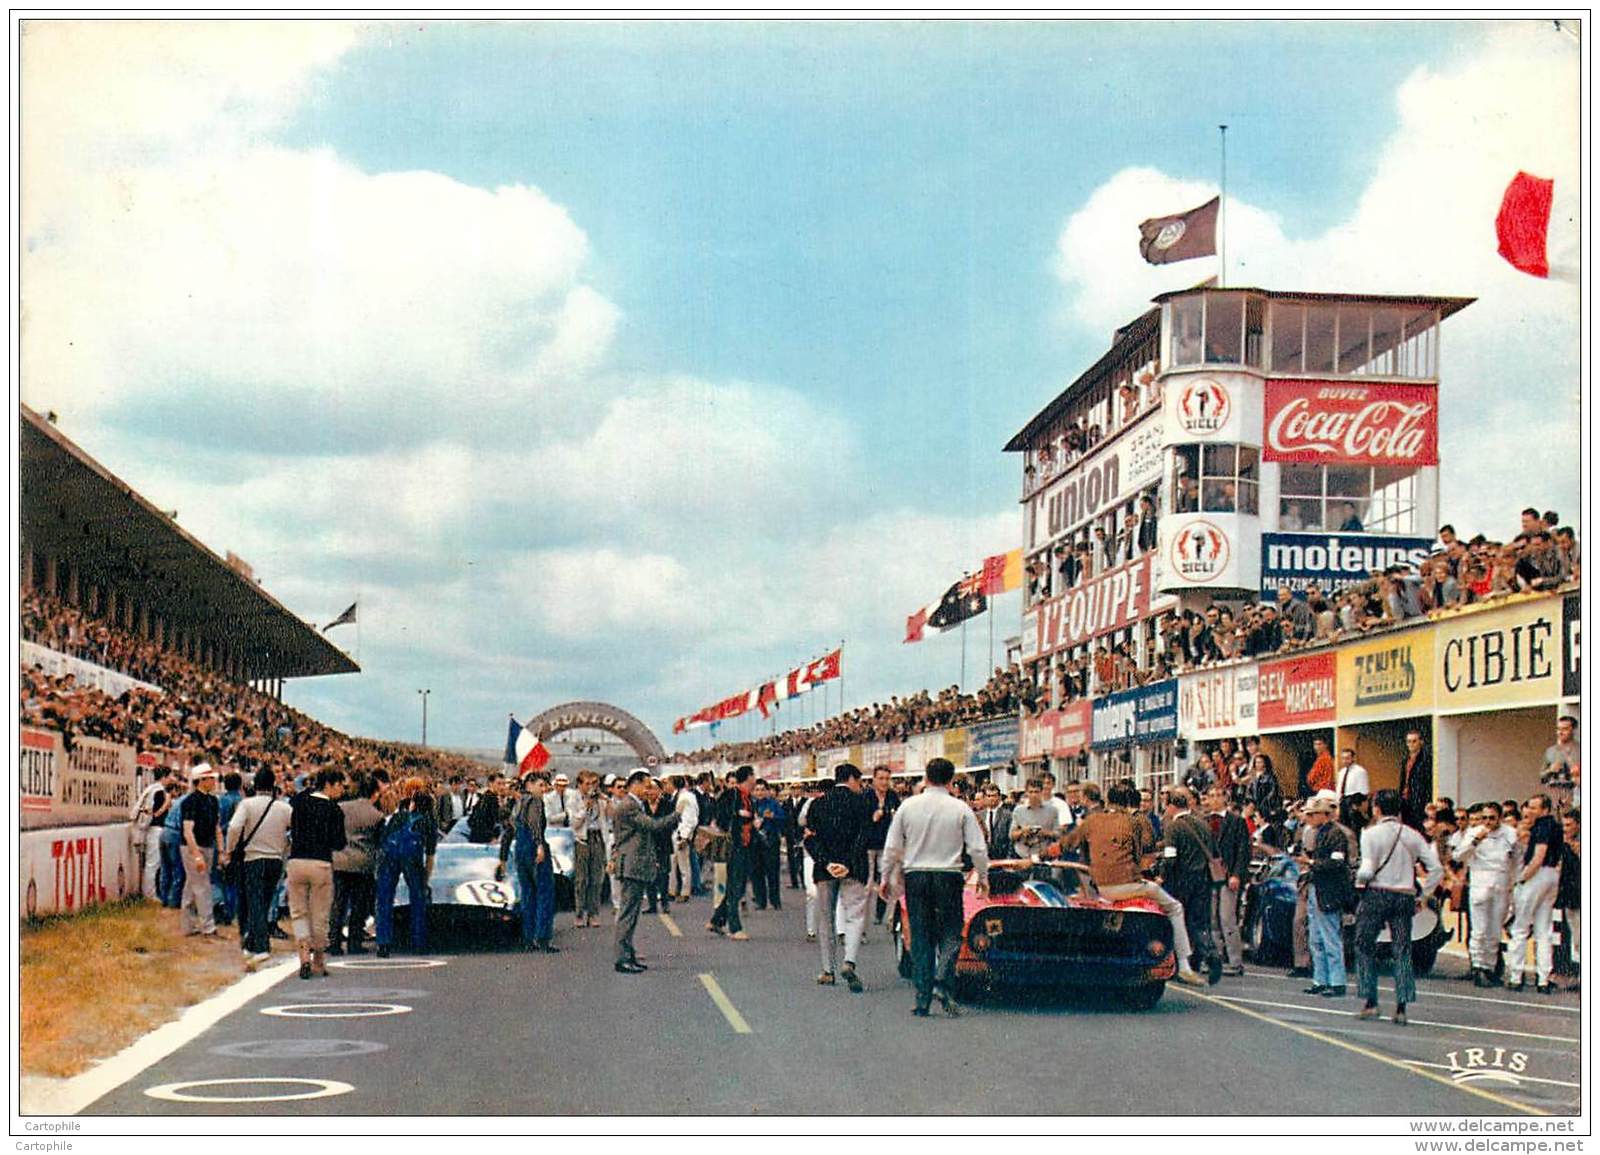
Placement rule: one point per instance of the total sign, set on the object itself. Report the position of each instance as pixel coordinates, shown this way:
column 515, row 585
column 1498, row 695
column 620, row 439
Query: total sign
column 1210, row 407
column 1207, row 551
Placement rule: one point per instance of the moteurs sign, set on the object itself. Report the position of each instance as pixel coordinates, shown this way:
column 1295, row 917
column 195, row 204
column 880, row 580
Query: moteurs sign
column 1350, row 424
column 1332, row 561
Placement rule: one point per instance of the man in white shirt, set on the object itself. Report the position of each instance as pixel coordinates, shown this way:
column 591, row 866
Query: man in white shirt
column 922, row 855
column 1487, row 848
column 561, row 802
column 688, row 811
column 1035, row 823
column 1352, row 786
column 1066, row 818
column 1389, row 856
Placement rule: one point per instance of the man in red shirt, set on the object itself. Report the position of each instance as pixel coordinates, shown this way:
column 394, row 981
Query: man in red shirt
column 1322, row 771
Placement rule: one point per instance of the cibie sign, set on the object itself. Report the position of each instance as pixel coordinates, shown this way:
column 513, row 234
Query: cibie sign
column 1351, row 424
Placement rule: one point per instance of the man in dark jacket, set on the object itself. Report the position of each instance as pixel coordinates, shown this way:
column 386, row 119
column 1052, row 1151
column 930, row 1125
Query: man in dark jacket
column 658, row 801
column 636, row 862
column 735, row 814
column 838, row 827
column 1416, row 781
column 1233, row 847
column 1186, row 856
column 883, row 802
column 535, row 875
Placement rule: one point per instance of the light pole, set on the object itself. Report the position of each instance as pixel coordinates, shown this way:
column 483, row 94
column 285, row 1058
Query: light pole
column 424, row 694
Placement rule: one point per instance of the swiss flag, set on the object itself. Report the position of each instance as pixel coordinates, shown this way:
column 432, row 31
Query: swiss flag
column 1523, row 225
column 825, row 668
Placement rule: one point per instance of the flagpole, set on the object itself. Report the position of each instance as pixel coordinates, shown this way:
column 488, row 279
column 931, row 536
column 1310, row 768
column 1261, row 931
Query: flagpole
column 1222, row 215
column 963, row 655
column 990, row 666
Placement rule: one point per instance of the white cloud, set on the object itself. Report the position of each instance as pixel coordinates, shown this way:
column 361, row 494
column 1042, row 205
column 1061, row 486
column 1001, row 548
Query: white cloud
column 1425, row 223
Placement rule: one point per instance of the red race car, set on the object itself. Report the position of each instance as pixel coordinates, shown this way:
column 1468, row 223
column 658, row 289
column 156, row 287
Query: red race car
column 1044, row 925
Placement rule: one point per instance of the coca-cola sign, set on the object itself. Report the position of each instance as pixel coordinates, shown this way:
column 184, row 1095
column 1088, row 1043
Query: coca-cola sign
column 1351, row 424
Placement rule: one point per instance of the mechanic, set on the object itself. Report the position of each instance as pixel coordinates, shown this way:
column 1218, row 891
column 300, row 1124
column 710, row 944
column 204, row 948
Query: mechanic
column 1120, row 844
column 922, row 855
column 536, row 886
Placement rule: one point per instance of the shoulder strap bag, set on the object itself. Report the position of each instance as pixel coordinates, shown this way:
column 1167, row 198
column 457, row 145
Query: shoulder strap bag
column 235, row 868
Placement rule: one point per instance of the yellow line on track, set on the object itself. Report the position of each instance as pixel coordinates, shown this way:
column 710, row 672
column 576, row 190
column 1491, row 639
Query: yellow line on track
column 672, row 927
column 1397, row 1064
column 725, row 1005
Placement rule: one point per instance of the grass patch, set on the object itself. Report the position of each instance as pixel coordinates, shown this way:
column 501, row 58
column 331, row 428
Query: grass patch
column 95, row 982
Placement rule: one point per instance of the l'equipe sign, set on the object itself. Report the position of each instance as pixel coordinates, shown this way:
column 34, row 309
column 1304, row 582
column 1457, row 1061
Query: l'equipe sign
column 1351, row 424
column 1113, row 601
column 1332, row 561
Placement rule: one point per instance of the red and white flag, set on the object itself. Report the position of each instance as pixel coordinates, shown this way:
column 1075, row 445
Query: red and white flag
column 525, row 750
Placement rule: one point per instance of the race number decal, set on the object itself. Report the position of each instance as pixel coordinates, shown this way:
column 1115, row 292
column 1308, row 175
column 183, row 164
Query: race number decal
column 480, row 893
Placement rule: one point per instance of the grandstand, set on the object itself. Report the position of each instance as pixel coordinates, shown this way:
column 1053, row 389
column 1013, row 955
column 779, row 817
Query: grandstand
column 88, row 539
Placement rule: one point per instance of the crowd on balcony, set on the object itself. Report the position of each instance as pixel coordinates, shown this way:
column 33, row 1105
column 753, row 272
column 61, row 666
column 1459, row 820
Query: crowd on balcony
column 1006, row 692
column 197, row 713
column 1075, row 438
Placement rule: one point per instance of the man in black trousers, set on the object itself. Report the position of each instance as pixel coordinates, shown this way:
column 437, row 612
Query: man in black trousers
column 922, row 855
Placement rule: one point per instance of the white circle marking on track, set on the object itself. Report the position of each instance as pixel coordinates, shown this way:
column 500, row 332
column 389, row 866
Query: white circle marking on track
column 338, row 1010
column 178, row 1092
column 388, row 964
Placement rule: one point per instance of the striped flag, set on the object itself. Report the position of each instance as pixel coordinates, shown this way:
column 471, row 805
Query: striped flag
column 524, row 749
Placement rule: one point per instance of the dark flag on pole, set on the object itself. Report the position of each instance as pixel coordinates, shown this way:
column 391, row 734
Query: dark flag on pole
column 961, row 601
column 1163, row 240
column 343, row 619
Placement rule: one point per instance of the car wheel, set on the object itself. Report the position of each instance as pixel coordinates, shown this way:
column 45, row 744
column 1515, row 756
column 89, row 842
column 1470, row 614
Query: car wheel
column 1261, row 951
column 902, row 957
column 1145, row 997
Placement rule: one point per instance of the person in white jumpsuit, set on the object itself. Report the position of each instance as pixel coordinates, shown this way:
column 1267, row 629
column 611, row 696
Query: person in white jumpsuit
column 1487, row 848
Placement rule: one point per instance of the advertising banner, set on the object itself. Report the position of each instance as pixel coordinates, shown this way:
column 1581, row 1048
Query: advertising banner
column 55, row 663
column 955, row 746
column 96, row 781
column 66, row 870
column 1142, row 714
column 875, row 754
column 1348, row 423
column 828, row 759
column 1571, row 650
column 1113, row 473
column 1062, row 733
column 1504, row 657
column 992, row 743
column 1298, row 692
column 1207, row 551
column 1113, row 601
column 794, row 766
column 1332, row 561
column 1218, row 703
column 1214, row 407
column 921, row 748
column 1390, row 677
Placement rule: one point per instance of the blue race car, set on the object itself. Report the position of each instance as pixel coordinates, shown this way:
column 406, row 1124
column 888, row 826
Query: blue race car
column 1268, row 919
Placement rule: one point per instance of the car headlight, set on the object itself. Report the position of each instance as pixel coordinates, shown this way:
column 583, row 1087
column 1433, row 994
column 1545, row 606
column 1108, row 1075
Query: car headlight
column 979, row 942
column 1157, row 948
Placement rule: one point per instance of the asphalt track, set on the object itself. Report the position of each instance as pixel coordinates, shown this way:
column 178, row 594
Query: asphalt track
column 496, row 1032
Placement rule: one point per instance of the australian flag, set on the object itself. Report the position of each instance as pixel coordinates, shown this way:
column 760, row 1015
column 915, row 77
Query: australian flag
column 961, row 601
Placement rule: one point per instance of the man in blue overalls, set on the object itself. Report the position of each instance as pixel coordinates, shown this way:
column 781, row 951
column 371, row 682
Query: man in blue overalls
column 536, row 880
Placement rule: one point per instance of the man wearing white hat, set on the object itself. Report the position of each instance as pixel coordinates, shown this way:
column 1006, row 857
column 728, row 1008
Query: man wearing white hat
column 199, row 816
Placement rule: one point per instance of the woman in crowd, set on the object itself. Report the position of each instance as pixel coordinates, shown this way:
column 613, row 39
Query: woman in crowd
column 405, row 850
column 316, row 830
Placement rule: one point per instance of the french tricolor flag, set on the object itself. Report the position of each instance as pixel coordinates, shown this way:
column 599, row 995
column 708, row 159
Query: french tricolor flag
column 525, row 750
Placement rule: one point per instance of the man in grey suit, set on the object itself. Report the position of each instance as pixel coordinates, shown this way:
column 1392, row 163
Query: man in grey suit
column 637, row 862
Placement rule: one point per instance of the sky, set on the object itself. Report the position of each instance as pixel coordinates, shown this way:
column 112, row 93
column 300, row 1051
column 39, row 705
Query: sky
column 643, row 361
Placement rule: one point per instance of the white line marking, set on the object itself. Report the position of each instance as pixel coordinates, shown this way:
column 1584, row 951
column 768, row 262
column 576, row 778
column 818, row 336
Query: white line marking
column 342, row 1010
column 1519, row 1078
column 73, row 1095
column 383, row 964
column 1433, row 994
column 725, row 1005
column 1413, row 1022
column 178, row 1092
